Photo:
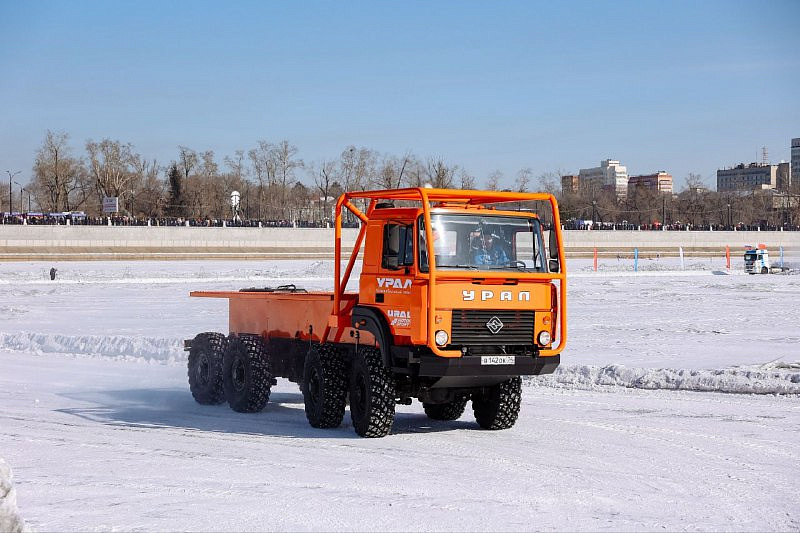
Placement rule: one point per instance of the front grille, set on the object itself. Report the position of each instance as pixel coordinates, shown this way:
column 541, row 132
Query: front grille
column 469, row 328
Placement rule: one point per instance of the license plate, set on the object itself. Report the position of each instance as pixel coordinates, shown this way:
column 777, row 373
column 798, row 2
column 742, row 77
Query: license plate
column 497, row 359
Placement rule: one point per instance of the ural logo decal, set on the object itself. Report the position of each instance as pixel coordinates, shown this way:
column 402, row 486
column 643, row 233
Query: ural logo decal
column 505, row 296
column 394, row 283
column 399, row 318
column 494, row 325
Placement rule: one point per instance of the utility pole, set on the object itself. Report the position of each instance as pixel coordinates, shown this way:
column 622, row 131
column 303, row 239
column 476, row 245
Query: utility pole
column 10, row 196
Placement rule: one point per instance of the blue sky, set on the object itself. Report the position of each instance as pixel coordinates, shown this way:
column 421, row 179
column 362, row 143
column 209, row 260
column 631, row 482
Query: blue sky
column 554, row 86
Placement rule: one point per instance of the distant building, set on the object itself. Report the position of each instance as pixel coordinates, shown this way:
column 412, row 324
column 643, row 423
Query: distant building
column 783, row 179
column 609, row 176
column 749, row 177
column 660, row 182
column 570, row 183
column 795, row 176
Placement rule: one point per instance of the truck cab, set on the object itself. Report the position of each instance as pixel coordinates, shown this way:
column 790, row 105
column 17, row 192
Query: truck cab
column 756, row 260
column 485, row 302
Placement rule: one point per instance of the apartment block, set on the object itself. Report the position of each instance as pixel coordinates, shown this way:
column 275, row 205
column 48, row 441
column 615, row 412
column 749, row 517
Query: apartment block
column 660, row 181
column 747, row 177
column 609, row 176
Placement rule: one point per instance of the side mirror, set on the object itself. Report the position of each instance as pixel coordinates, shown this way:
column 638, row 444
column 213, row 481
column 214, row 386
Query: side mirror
column 553, row 245
column 552, row 265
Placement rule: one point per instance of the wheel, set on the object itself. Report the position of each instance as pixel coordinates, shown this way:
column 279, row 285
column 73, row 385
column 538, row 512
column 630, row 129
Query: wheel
column 446, row 411
column 372, row 394
column 324, row 386
column 205, row 368
column 764, row 270
column 498, row 406
column 247, row 378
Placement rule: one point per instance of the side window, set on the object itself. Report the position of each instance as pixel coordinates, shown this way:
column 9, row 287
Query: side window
column 523, row 246
column 398, row 246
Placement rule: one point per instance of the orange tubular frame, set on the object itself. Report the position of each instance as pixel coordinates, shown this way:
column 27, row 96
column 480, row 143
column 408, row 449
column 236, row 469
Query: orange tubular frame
column 425, row 197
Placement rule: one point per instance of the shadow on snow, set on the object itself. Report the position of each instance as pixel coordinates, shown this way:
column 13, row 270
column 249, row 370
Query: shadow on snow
column 284, row 415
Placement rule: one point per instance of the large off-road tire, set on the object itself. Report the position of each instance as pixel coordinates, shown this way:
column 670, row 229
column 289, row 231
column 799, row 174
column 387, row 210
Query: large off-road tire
column 324, row 386
column 446, row 411
column 498, row 406
column 247, row 377
column 372, row 394
column 205, row 368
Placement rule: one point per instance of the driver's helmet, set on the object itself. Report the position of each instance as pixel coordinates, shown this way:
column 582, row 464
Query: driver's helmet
column 486, row 232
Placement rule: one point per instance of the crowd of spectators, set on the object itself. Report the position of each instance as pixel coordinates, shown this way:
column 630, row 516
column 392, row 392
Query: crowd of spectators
column 676, row 226
column 80, row 219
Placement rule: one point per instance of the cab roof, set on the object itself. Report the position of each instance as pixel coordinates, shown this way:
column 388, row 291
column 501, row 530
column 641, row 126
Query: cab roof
column 462, row 196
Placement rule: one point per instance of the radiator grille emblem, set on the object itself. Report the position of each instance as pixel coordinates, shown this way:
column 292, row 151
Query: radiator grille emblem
column 494, row 325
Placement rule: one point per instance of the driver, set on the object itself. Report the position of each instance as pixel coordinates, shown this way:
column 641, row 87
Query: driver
column 489, row 251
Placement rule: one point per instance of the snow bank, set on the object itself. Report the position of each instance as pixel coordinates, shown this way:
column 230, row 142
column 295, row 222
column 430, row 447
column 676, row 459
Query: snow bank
column 146, row 349
column 10, row 521
column 772, row 378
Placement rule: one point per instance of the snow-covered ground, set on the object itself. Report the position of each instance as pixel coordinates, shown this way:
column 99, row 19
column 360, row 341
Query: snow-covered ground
column 632, row 432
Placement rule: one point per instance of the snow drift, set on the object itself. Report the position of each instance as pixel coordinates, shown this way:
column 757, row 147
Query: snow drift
column 772, row 378
column 10, row 520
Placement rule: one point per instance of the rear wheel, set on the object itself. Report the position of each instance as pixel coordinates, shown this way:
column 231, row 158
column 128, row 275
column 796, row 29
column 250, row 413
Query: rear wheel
column 324, row 386
column 246, row 370
column 497, row 407
column 372, row 394
column 205, row 368
column 446, row 411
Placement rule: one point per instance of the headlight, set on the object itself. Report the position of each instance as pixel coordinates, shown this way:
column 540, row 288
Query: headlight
column 544, row 338
column 441, row 338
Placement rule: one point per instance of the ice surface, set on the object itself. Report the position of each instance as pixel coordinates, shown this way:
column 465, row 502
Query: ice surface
column 632, row 432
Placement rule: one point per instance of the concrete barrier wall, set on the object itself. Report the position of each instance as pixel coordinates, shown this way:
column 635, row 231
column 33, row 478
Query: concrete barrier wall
column 124, row 242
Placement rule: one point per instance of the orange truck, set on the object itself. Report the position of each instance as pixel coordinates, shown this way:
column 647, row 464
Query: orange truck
column 460, row 294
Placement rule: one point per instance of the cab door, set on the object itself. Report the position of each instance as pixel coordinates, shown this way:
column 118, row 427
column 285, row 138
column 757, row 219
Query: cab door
column 388, row 274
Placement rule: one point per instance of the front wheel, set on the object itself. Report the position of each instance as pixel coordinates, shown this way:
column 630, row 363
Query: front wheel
column 497, row 407
column 247, row 377
column 372, row 394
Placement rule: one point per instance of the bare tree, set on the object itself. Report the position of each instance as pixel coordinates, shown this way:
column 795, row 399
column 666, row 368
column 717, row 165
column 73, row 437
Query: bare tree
column 324, row 178
column 236, row 165
column 467, row 180
column 493, row 181
column 523, row 180
column 187, row 161
column 60, row 181
column 285, row 162
column 439, row 175
column 549, row 182
column 111, row 167
column 391, row 172
column 148, row 191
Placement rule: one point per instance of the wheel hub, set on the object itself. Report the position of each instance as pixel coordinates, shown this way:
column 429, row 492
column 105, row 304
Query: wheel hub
column 202, row 369
column 238, row 374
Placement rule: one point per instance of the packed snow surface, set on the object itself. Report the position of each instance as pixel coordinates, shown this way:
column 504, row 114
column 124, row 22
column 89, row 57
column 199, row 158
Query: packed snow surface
column 677, row 406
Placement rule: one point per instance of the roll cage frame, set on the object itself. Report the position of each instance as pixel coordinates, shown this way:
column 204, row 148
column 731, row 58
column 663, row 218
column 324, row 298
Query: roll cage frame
column 340, row 318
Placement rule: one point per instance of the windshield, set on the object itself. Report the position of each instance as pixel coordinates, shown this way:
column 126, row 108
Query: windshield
column 484, row 242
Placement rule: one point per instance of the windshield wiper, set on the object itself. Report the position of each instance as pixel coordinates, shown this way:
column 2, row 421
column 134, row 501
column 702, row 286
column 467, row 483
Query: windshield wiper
column 467, row 267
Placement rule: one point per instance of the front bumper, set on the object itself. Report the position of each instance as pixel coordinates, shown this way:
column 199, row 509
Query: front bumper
column 470, row 365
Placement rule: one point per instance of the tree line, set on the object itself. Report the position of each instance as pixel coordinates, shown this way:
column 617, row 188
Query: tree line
column 275, row 183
